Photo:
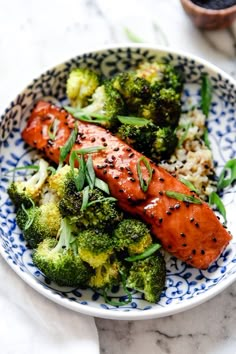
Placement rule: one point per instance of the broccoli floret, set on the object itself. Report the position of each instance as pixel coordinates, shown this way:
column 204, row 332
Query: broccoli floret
column 132, row 234
column 133, row 89
column 38, row 223
column 59, row 260
column 164, row 108
column 164, row 144
column 95, row 247
column 100, row 215
column 106, row 275
column 59, row 181
column 24, row 192
column 160, row 75
column 107, row 102
column 148, row 277
column 81, row 85
column 139, row 137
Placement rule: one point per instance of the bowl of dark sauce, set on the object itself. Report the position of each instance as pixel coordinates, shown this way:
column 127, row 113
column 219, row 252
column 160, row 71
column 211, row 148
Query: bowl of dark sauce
column 210, row 14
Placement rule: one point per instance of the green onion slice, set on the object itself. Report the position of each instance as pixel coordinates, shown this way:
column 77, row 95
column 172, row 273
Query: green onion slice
column 189, row 185
column 206, row 94
column 119, row 303
column 144, row 184
column 64, row 150
column 206, row 138
column 224, row 182
column 132, row 36
column 89, row 150
column 133, row 120
column 183, row 197
column 186, row 128
column 30, row 219
column 110, row 199
column 28, row 167
column 214, row 199
column 148, row 252
column 85, row 198
column 52, row 129
column 103, row 186
column 89, row 172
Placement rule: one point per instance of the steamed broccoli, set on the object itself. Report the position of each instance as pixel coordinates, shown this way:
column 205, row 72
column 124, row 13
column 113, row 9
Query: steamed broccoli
column 106, row 275
column 164, row 144
column 101, row 214
column 106, row 101
column 24, row 192
column 38, row 223
column 139, row 137
column 59, row 181
column 132, row 234
column 133, row 89
column 95, row 247
column 160, row 75
column 81, row 85
column 148, row 277
column 59, row 260
column 164, row 108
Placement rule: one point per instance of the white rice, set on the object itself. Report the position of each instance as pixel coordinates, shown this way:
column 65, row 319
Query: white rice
column 193, row 160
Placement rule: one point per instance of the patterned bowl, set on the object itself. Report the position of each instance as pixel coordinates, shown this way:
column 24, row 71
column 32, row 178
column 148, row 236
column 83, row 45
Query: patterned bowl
column 185, row 286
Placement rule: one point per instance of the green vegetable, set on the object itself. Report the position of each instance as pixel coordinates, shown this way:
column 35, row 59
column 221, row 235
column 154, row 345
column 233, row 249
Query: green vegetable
column 186, row 128
column 206, row 94
column 148, row 252
column 60, row 261
column 214, row 199
column 139, row 121
column 143, row 183
column 230, row 167
column 189, row 185
column 183, row 197
column 65, row 149
column 132, row 36
column 127, row 292
column 206, row 138
column 52, row 129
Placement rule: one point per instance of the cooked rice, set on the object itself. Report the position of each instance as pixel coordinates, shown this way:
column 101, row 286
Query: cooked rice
column 193, row 160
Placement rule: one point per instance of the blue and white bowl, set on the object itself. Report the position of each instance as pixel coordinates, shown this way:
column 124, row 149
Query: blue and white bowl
column 185, row 286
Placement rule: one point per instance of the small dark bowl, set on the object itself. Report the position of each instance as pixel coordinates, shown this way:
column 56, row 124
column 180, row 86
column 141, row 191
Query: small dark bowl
column 209, row 19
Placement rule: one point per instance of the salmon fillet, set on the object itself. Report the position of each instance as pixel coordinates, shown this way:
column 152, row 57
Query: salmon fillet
column 191, row 232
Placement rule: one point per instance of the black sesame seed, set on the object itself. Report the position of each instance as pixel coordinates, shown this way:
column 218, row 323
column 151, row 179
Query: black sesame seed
column 187, row 204
column 122, row 168
column 121, row 190
column 116, row 148
column 93, row 140
column 168, row 212
column 184, row 245
column 202, row 252
column 103, row 139
column 113, row 157
column 169, row 247
column 182, row 234
column 128, row 149
column 132, row 179
column 104, row 144
column 214, row 239
column 171, row 208
column 161, row 193
column 161, row 179
column 104, row 172
column 160, row 220
column 194, row 252
column 191, row 219
column 111, row 165
column 130, row 173
column 177, row 206
column 196, row 224
column 116, row 177
column 131, row 155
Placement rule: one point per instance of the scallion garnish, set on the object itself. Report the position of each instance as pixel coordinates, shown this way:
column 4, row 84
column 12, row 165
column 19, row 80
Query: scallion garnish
column 189, row 185
column 183, row 197
column 80, row 177
column 229, row 168
column 84, row 116
column 206, row 138
column 30, row 218
column 119, row 303
column 133, row 120
column 206, row 94
column 28, row 167
column 109, row 199
column 103, row 186
column 132, row 36
column 89, row 172
column 144, row 184
column 186, row 128
column 89, row 150
column 214, row 199
column 85, row 198
column 65, row 150
column 52, row 129
column 148, row 252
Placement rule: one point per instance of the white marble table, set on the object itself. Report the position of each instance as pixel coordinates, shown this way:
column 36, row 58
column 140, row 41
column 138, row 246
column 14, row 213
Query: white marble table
column 35, row 36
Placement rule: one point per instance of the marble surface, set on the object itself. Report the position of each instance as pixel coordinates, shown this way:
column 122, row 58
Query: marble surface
column 34, row 37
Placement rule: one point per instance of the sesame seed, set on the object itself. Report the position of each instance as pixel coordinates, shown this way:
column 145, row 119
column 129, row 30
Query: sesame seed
column 161, row 193
column 214, row 239
column 104, row 172
column 202, row 252
column 128, row 149
column 182, row 234
column 131, row 155
column 132, row 179
column 93, row 140
column 116, row 177
column 196, row 224
column 168, row 212
column 160, row 220
column 117, row 148
column 191, row 219
column 121, row 190
column 104, row 144
column 193, row 251
column 161, row 179
column 103, row 139
column 177, row 206
column 184, row 245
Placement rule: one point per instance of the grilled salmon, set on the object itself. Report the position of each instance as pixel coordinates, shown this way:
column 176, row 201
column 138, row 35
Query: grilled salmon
column 189, row 231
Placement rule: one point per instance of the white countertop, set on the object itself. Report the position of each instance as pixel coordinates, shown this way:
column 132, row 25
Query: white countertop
column 37, row 35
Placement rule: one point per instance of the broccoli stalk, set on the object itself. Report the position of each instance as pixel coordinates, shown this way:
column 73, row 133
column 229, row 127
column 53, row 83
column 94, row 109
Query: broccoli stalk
column 59, row 260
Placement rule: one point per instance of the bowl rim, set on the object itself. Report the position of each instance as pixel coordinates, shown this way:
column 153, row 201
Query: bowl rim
column 113, row 313
column 200, row 10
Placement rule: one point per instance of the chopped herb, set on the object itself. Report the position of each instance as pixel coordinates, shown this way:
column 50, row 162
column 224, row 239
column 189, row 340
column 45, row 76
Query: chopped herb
column 80, row 114
column 52, row 170
column 189, row 185
column 89, row 150
column 206, row 138
column 133, row 120
column 28, row 167
column 148, row 252
column 119, row 303
column 30, row 218
column 214, row 199
column 132, row 36
column 109, row 199
column 103, row 186
column 52, row 129
column 89, row 172
column 186, row 128
column 229, row 168
column 206, row 94
column 64, row 150
column 183, row 197
column 85, row 198
column 144, row 184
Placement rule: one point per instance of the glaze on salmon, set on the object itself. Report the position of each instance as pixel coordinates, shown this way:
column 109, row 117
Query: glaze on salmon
column 191, row 232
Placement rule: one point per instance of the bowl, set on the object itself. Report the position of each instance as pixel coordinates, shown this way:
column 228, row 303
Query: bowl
column 209, row 19
column 185, row 286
